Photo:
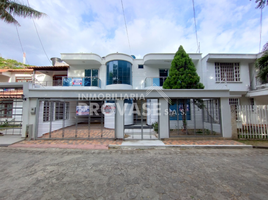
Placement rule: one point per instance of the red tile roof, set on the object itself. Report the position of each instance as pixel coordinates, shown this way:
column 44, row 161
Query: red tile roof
column 13, row 94
column 16, row 70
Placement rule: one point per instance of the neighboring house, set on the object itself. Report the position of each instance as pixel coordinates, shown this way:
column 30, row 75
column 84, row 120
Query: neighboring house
column 11, row 104
column 60, row 99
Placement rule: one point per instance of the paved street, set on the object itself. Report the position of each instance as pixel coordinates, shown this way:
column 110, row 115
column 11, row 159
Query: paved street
column 134, row 174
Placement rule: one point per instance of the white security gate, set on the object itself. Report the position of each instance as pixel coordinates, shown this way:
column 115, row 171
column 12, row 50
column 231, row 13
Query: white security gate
column 252, row 121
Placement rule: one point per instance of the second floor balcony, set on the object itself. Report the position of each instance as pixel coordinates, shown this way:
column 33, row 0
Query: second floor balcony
column 154, row 82
column 70, row 82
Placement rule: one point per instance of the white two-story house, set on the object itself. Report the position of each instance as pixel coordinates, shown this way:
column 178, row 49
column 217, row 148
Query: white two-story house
column 119, row 96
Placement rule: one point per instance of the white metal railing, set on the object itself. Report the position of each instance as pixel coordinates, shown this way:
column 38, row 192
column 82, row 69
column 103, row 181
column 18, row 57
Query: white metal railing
column 252, row 121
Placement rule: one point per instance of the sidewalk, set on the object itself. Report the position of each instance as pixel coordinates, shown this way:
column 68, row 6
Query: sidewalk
column 109, row 143
column 68, row 144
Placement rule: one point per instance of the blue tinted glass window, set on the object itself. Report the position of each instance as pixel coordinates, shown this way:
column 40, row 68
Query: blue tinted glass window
column 88, row 72
column 119, row 72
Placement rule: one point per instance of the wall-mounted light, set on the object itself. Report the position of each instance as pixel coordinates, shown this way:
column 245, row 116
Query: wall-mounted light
column 23, row 97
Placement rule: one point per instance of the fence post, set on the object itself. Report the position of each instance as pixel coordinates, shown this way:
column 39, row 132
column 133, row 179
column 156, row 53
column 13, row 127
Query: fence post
column 233, row 122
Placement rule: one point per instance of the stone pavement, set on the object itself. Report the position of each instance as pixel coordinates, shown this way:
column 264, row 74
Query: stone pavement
column 134, row 174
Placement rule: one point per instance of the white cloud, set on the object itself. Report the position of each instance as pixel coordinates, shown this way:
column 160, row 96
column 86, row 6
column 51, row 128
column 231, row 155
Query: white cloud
column 225, row 26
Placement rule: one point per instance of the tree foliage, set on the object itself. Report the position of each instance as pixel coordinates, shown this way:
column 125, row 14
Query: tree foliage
column 182, row 74
column 261, row 3
column 262, row 66
column 11, row 64
column 10, row 9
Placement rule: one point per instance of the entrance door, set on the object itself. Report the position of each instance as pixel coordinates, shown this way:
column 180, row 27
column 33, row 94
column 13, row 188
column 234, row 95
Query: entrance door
column 136, row 124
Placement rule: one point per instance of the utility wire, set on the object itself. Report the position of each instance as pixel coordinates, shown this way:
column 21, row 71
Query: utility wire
column 198, row 45
column 39, row 37
column 126, row 25
column 260, row 31
column 21, row 43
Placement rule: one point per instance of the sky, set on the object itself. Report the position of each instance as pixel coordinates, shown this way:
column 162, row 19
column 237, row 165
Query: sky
column 154, row 26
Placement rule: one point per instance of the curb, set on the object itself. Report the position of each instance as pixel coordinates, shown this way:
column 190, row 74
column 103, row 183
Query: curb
column 183, row 146
column 260, row 147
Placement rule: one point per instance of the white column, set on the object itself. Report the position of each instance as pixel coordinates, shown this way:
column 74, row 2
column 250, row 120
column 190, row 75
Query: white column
column 226, row 118
column 163, row 119
column 119, row 119
column 25, row 116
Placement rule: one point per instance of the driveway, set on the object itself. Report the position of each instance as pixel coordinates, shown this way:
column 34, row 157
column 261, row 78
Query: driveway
column 134, row 174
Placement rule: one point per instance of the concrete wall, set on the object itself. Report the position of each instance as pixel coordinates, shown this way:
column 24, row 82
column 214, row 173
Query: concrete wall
column 210, row 82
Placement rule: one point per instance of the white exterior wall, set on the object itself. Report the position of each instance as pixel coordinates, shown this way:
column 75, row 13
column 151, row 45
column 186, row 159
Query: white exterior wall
column 210, row 82
column 44, row 127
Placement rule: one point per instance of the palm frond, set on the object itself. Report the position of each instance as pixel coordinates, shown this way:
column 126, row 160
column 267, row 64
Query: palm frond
column 4, row 15
column 22, row 10
column 9, row 9
column 261, row 3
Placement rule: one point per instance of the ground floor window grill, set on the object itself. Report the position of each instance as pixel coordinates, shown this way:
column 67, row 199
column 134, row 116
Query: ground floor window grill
column 11, row 116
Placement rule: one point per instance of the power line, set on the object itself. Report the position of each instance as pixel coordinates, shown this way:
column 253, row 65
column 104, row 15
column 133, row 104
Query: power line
column 260, row 31
column 198, row 44
column 126, row 25
column 39, row 36
column 20, row 42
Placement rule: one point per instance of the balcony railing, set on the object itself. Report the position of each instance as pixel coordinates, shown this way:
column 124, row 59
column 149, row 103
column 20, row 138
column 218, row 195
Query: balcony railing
column 71, row 81
column 81, row 81
column 154, row 81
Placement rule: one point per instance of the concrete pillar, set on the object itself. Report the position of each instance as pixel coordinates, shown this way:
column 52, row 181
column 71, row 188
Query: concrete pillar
column 25, row 117
column 226, row 118
column 119, row 119
column 163, row 126
column 233, row 121
column 25, row 109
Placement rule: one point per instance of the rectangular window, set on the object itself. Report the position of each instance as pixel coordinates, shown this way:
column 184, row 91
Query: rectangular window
column 233, row 102
column 57, row 80
column 46, row 111
column 6, row 108
column 91, row 73
column 163, row 74
column 227, row 72
column 91, row 77
column 61, row 111
column 140, row 66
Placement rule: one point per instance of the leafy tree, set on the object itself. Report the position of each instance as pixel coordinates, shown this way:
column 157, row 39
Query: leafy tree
column 11, row 64
column 261, row 3
column 183, row 75
column 262, row 66
column 9, row 9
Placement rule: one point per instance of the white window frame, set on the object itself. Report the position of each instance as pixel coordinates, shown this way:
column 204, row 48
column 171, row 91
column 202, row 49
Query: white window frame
column 224, row 74
column 57, row 114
